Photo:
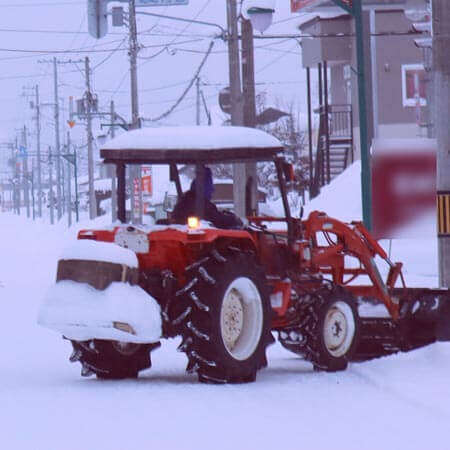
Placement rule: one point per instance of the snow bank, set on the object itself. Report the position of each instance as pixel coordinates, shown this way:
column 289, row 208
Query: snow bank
column 88, row 250
column 81, row 312
column 341, row 198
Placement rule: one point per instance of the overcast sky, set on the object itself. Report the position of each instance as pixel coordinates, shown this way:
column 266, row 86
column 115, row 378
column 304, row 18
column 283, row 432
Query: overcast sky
column 31, row 30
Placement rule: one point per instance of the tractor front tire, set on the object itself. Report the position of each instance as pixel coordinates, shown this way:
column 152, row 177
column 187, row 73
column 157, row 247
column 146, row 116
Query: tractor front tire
column 112, row 360
column 228, row 329
column 332, row 334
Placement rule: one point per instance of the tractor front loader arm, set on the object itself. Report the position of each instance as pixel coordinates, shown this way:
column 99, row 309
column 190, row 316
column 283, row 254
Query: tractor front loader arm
column 352, row 240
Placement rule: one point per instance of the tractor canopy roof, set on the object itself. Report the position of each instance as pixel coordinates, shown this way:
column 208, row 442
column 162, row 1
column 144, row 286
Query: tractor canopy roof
column 191, row 145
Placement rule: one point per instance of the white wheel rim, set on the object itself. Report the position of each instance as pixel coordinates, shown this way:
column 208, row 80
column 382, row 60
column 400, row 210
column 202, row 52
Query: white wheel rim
column 241, row 318
column 339, row 329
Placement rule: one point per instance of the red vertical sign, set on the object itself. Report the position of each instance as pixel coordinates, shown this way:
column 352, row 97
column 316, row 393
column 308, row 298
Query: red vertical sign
column 298, row 5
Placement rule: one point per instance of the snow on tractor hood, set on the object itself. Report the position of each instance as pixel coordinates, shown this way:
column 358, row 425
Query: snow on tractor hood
column 81, row 312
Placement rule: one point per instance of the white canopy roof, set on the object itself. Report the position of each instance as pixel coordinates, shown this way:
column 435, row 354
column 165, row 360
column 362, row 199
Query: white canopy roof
column 195, row 137
column 191, row 144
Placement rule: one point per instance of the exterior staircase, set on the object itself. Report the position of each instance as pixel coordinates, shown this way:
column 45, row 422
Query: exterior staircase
column 340, row 138
column 334, row 150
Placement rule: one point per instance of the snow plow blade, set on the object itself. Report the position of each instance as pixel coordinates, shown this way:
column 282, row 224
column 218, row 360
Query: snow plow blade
column 424, row 319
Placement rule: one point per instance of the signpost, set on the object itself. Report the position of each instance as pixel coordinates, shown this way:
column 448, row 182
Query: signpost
column 157, row 2
column 161, row 2
column 297, row 5
column 355, row 9
column 23, row 152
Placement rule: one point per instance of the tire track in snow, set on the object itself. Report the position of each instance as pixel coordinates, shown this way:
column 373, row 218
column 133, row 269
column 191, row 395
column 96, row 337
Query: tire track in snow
column 431, row 410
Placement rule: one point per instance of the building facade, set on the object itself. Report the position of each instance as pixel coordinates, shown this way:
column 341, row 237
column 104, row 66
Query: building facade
column 396, row 80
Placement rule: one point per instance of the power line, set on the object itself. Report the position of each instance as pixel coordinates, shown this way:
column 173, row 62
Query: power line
column 167, row 47
column 184, row 28
column 78, row 32
column 160, row 102
column 110, row 55
column 260, row 83
column 183, row 95
column 158, row 53
column 275, row 59
column 109, row 91
column 289, row 19
column 50, row 52
column 28, row 5
column 101, row 44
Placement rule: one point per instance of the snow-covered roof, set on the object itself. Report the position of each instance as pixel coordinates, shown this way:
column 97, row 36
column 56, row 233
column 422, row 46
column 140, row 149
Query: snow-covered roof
column 197, row 144
column 308, row 19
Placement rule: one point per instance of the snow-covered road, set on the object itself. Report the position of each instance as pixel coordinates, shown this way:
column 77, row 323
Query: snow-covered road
column 400, row 402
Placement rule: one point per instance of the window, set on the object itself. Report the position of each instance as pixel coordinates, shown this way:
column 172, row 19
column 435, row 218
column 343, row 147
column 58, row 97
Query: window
column 413, row 85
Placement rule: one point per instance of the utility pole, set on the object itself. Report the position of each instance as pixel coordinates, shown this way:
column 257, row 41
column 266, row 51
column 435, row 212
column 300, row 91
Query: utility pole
column 233, row 64
column 237, row 113
column 113, row 175
column 441, row 68
column 134, row 48
column 32, row 190
column 55, row 105
column 75, row 174
column 38, row 151
column 50, row 186
column 92, row 205
column 57, row 141
column 249, row 120
column 135, row 171
column 69, row 185
column 16, row 180
column 26, row 191
column 197, row 111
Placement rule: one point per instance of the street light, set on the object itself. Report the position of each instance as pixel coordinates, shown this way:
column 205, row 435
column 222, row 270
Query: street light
column 259, row 12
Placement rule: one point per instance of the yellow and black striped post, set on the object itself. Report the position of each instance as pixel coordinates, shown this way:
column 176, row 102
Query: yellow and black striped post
column 443, row 211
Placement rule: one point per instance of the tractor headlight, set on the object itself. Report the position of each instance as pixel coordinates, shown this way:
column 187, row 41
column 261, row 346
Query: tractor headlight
column 193, row 223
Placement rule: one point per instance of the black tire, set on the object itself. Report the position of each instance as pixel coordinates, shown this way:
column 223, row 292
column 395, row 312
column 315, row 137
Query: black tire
column 112, row 360
column 332, row 329
column 228, row 329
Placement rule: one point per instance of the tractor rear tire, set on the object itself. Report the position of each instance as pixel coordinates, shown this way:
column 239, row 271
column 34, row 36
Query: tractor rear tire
column 112, row 360
column 228, row 329
column 333, row 330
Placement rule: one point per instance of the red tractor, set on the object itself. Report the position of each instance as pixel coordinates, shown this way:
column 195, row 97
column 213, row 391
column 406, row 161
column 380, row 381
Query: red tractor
column 224, row 291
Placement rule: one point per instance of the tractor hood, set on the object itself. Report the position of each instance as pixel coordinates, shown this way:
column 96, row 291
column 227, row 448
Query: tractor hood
column 142, row 239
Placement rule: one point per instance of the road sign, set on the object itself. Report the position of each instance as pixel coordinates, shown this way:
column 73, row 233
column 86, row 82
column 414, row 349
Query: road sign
column 23, row 152
column 97, row 18
column 298, row 5
column 146, row 181
column 69, row 157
